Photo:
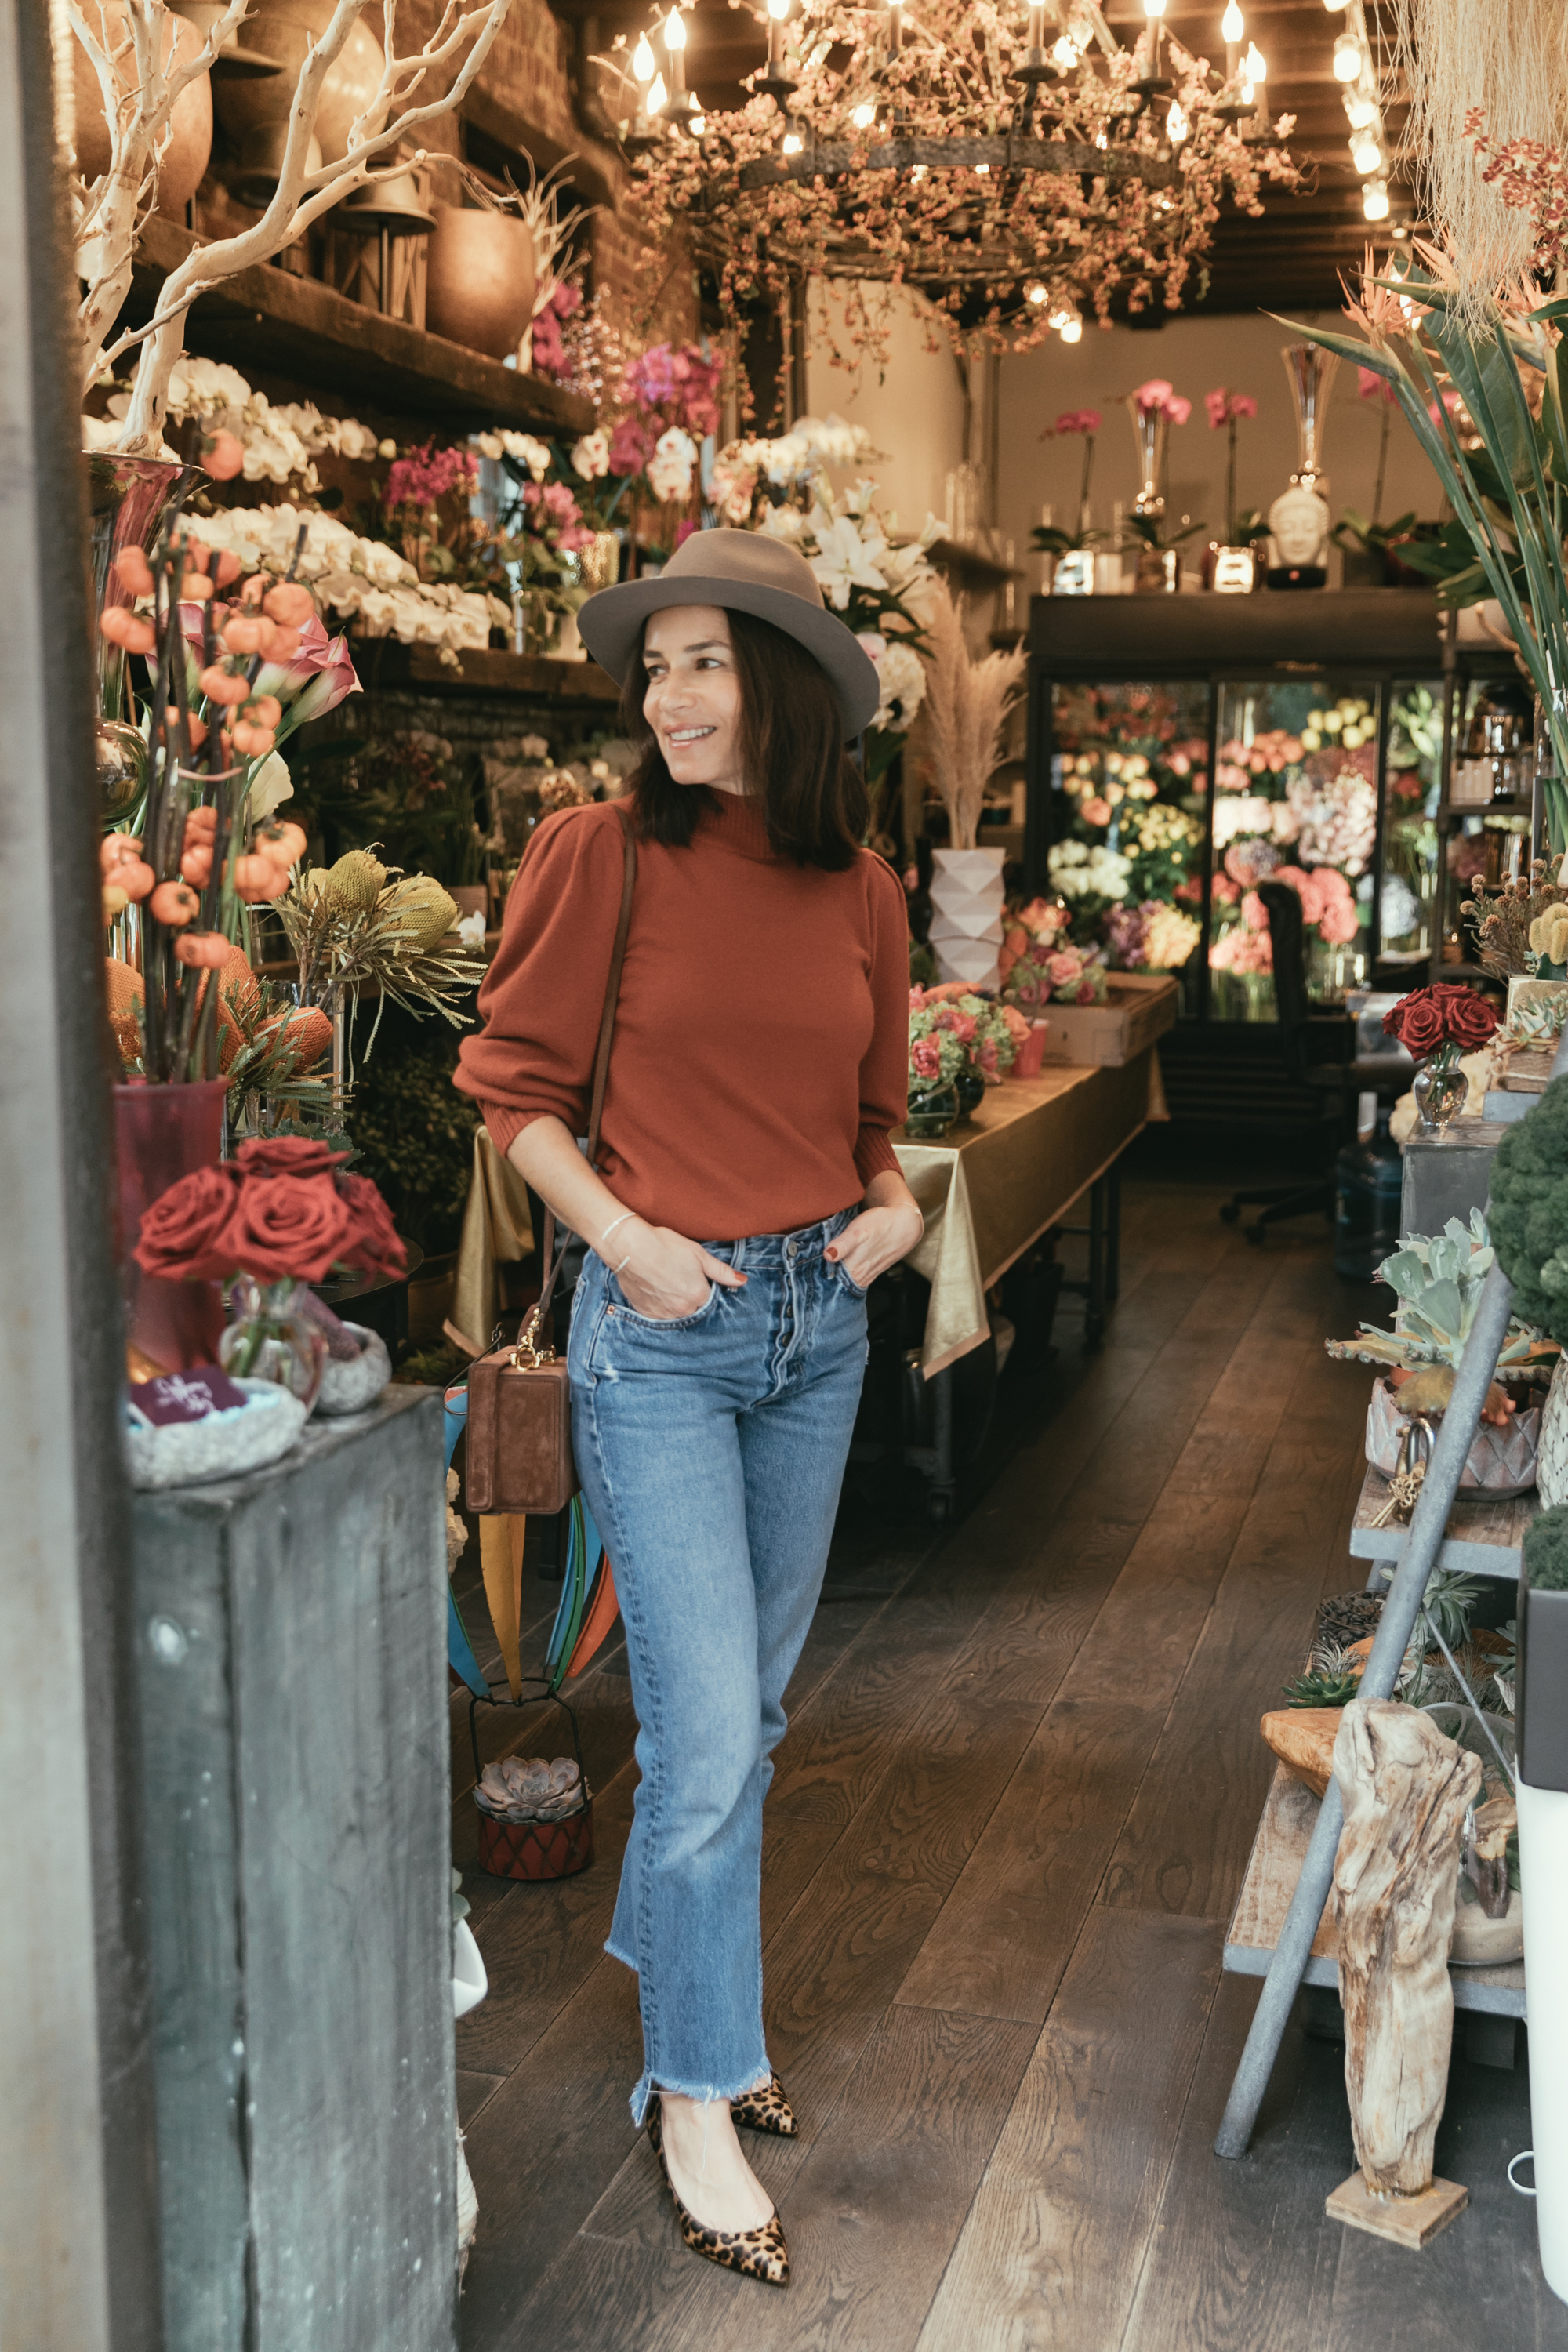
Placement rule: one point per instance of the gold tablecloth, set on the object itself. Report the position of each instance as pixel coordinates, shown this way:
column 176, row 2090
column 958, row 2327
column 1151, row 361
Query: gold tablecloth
column 496, row 1232
column 994, row 1184
column 988, row 1191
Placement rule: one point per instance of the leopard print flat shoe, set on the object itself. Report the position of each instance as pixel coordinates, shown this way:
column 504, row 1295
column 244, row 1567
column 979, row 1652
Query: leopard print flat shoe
column 758, row 2253
column 765, row 2109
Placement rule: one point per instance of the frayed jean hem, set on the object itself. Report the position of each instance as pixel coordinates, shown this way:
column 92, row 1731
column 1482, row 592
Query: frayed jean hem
column 706, row 2093
column 624, row 1959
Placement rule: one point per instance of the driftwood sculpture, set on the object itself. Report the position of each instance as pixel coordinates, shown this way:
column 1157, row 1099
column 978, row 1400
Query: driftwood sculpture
column 1406, row 1790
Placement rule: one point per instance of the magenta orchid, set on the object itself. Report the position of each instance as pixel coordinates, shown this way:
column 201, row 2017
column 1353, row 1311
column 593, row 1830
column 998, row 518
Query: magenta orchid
column 1156, row 398
column 1074, row 420
column 426, row 474
column 1224, row 406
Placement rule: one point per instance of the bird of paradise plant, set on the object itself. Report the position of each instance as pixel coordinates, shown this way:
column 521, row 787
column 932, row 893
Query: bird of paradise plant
column 1490, row 408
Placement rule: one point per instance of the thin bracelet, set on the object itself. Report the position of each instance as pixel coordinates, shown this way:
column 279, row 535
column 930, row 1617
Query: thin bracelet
column 625, row 1261
column 610, row 1228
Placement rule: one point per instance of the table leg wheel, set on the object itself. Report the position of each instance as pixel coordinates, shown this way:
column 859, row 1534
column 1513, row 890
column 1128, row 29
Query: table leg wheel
column 939, row 1506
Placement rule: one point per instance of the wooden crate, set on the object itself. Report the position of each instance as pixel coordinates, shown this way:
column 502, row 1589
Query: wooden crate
column 1140, row 1006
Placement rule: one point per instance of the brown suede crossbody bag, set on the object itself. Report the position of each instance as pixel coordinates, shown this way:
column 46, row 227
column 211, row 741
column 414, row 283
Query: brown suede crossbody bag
column 520, row 1398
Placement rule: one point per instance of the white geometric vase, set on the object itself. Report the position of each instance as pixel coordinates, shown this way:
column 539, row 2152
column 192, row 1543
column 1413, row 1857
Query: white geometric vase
column 966, row 898
column 1551, row 1461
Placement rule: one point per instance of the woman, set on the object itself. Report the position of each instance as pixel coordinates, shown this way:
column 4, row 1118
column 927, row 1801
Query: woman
column 746, row 1196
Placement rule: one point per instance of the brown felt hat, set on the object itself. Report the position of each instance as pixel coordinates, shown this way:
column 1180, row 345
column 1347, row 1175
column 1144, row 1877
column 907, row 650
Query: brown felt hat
column 742, row 572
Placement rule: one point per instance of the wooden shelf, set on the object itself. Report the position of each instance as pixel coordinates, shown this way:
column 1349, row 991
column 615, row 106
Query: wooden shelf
column 383, row 662
column 266, row 318
column 1482, row 1539
column 1279, row 1850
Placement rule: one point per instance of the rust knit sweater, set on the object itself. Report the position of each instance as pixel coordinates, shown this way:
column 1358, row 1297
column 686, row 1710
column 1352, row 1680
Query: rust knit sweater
column 762, row 1033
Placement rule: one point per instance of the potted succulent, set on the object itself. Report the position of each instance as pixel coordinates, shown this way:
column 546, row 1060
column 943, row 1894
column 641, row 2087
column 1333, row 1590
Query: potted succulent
column 1438, row 1281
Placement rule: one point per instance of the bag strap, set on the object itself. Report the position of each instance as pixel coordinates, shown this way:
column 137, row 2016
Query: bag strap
column 551, row 1257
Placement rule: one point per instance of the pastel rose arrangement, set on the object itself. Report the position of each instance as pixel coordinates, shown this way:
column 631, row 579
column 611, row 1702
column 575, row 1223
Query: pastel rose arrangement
column 1030, row 928
column 1061, row 975
column 283, row 1209
column 986, row 1037
column 1445, row 1015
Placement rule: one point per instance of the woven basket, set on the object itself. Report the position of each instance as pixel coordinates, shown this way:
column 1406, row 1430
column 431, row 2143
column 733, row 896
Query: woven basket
column 537, row 1849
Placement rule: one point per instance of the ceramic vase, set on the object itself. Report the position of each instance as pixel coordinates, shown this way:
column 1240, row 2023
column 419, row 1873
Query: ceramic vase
column 479, row 279
column 254, row 109
column 1440, row 1087
column 162, row 1133
column 966, row 898
column 1501, row 1462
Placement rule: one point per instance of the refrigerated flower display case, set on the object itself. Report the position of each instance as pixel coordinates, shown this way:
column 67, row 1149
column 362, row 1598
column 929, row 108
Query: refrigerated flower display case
column 1184, row 748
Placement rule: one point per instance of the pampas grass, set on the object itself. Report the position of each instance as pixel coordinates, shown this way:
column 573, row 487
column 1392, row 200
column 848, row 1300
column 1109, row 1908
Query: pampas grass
column 965, row 708
column 1510, row 58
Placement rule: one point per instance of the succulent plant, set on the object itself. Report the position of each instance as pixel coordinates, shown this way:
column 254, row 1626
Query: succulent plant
column 1322, row 1690
column 1438, row 1280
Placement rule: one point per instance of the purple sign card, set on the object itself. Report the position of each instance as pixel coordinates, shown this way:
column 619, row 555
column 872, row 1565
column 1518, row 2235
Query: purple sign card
column 185, row 1396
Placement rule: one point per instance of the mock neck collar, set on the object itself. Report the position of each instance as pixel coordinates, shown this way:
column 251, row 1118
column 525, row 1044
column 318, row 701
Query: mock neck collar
column 736, row 822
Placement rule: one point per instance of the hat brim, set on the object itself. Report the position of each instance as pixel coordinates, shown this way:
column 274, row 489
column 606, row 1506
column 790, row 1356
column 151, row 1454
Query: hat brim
column 611, row 626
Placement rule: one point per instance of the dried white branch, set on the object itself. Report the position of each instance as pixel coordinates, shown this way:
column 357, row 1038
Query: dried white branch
column 302, row 196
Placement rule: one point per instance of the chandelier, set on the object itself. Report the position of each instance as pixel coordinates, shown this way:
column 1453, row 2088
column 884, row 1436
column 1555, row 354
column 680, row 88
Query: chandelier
column 1011, row 158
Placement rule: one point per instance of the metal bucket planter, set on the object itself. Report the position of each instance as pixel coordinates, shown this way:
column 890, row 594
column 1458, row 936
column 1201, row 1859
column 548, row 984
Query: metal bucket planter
column 1500, row 1464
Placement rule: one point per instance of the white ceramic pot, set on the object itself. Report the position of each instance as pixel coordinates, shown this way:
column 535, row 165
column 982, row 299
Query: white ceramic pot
column 222, row 1446
column 1501, row 1462
column 185, row 157
column 352, row 1387
column 255, row 111
column 1482, row 1942
column 966, row 897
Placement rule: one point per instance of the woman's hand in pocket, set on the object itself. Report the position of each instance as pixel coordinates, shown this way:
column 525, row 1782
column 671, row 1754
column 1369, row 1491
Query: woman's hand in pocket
column 666, row 1276
column 878, row 1238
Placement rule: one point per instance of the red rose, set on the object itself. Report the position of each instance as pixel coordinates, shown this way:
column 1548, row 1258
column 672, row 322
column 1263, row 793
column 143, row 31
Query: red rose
column 286, row 1155
column 1417, row 1022
column 1471, row 1019
column 287, row 1225
column 372, row 1245
column 184, row 1233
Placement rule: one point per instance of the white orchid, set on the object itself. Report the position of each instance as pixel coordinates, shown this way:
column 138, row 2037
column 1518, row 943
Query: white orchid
column 591, row 457
column 471, row 931
column 901, row 675
column 843, row 559
column 669, row 469
column 530, row 452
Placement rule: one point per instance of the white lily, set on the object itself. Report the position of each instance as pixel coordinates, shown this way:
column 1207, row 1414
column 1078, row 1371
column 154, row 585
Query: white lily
column 843, row 561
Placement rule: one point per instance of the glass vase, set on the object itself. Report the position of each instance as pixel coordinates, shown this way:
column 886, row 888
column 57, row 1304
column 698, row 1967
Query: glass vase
column 930, row 1113
column 1440, row 1087
column 971, row 1087
column 271, row 1337
column 1152, row 431
column 163, row 1133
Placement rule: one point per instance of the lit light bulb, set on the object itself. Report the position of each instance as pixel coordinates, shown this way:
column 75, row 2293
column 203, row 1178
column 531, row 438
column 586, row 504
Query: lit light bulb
column 1064, row 55
column 1036, row 294
column 778, row 10
column 863, row 117
column 698, row 125
column 918, row 171
column 1366, row 155
column 792, row 142
column 1177, row 126
column 1233, row 23
column 1361, row 109
column 1153, row 7
column 674, row 30
column 643, row 67
column 1347, row 58
column 1071, row 329
column 657, row 97
column 1254, row 65
column 1334, row 7
column 1374, row 200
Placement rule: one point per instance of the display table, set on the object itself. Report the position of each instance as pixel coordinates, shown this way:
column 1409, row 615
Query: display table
column 999, row 1179
column 1482, row 1537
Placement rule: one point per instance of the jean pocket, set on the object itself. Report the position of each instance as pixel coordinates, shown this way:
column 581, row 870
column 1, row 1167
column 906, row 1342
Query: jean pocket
column 624, row 1313
column 845, row 1280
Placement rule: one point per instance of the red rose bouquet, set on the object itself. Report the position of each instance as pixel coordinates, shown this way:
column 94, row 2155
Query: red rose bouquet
column 1443, row 1021
column 281, row 1211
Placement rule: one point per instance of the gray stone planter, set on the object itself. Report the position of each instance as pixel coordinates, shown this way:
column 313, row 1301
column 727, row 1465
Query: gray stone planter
column 291, row 1675
column 353, row 1387
column 1542, row 1696
column 1500, row 1463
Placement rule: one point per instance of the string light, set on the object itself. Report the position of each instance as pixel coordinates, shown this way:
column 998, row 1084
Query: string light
column 1071, row 329
column 1361, row 109
column 1374, row 200
column 1064, row 55
column 1366, row 155
column 792, row 142
column 863, row 117
column 1177, row 126
column 1036, row 294
column 1347, row 58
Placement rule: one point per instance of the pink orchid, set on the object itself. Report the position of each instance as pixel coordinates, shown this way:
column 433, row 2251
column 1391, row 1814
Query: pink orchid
column 1074, row 420
column 1370, row 385
column 631, row 447
column 1224, row 406
column 427, row 473
column 1156, row 398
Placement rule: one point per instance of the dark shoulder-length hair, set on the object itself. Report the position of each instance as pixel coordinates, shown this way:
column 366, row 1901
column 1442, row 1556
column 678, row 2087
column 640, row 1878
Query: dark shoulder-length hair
column 792, row 743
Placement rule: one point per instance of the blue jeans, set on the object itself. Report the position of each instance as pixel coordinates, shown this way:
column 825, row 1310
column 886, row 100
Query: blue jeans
column 711, row 1451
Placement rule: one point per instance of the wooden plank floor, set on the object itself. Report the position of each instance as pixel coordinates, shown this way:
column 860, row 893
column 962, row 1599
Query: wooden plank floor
column 1009, row 1821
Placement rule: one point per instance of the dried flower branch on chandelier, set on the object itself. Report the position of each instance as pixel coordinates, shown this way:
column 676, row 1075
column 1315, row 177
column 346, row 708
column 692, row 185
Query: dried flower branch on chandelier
column 946, row 154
